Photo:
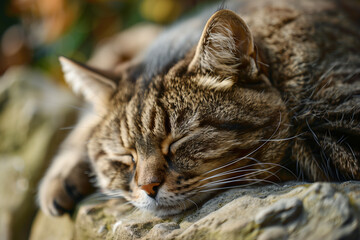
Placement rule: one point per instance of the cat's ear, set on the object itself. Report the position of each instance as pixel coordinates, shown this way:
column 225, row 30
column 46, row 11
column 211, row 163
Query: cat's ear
column 89, row 82
column 226, row 46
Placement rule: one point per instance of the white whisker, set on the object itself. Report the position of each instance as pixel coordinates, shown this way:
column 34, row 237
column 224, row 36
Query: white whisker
column 243, row 185
column 236, row 170
column 67, row 128
column 281, row 139
column 83, row 109
column 197, row 207
column 230, row 180
column 246, row 166
column 239, row 159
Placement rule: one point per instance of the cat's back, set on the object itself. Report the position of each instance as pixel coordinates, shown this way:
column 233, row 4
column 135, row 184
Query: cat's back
column 304, row 40
column 312, row 50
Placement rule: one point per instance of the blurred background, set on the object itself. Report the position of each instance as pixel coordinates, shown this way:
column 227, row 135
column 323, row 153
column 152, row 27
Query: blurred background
column 35, row 32
column 36, row 109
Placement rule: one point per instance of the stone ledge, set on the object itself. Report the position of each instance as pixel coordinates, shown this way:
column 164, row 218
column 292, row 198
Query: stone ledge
column 290, row 210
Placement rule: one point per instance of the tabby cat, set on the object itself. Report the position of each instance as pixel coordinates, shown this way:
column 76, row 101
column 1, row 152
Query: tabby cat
column 218, row 105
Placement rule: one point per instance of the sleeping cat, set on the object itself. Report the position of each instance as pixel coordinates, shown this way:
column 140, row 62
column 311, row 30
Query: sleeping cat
column 214, row 104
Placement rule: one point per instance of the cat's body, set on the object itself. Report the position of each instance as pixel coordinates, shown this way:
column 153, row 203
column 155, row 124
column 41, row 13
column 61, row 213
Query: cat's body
column 192, row 117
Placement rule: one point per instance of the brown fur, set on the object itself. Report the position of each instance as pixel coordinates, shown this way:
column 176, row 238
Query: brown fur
column 221, row 118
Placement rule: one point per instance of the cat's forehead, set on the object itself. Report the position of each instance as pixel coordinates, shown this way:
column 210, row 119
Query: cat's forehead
column 162, row 98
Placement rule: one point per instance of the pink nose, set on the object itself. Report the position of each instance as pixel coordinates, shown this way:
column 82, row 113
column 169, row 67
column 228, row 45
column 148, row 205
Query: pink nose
column 151, row 189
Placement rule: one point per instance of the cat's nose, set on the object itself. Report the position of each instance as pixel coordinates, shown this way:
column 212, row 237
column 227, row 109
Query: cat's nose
column 151, row 189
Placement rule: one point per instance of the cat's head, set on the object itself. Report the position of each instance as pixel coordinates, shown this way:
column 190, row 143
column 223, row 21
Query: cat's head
column 206, row 124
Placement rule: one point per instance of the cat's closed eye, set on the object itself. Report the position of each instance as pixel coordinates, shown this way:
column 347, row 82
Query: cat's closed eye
column 167, row 145
column 175, row 144
column 127, row 160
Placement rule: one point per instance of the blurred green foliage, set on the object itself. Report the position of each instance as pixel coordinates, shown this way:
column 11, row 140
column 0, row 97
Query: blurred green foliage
column 36, row 32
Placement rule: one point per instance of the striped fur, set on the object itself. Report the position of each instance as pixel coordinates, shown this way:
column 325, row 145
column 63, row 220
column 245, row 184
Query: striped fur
column 207, row 117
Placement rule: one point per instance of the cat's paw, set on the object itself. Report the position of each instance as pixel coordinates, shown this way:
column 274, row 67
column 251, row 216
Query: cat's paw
column 59, row 194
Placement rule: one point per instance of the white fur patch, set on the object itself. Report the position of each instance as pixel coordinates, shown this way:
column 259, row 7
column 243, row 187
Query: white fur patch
column 91, row 85
column 226, row 44
column 219, row 50
column 215, row 82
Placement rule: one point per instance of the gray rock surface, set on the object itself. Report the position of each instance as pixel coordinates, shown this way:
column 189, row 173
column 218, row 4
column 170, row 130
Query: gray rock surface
column 33, row 109
column 287, row 211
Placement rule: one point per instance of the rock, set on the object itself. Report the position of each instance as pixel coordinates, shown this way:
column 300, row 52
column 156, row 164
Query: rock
column 162, row 230
column 330, row 213
column 282, row 212
column 274, row 233
column 288, row 211
column 33, row 109
column 58, row 228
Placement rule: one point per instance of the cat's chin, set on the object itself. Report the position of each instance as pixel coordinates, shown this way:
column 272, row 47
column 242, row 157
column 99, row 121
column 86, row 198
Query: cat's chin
column 165, row 209
column 161, row 210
